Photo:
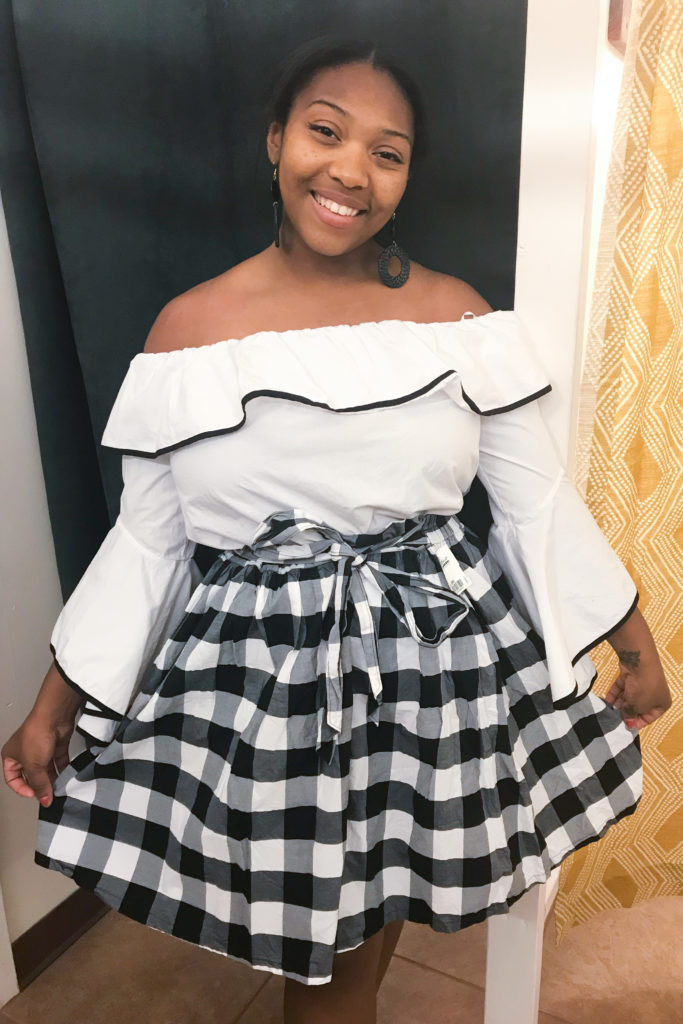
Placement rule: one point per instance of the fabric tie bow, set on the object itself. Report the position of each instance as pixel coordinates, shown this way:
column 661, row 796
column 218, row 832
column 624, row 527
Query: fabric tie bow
column 291, row 535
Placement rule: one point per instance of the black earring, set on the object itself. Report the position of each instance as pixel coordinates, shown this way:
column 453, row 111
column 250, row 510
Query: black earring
column 393, row 249
column 277, row 199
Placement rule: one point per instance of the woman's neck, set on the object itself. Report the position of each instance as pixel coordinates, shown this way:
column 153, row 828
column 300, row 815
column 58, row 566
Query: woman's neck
column 299, row 262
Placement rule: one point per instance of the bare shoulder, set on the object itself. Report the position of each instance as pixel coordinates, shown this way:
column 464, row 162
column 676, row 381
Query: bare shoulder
column 449, row 296
column 193, row 317
column 174, row 324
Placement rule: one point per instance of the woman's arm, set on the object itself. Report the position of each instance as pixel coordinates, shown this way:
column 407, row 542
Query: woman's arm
column 640, row 690
column 57, row 702
column 633, row 642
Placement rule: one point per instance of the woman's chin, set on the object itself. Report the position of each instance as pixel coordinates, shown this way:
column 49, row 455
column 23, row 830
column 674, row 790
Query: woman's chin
column 330, row 247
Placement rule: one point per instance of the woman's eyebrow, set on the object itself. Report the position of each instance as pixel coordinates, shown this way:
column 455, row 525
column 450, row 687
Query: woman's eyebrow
column 384, row 131
column 329, row 104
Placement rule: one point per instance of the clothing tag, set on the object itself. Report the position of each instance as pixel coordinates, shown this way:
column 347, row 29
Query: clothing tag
column 457, row 579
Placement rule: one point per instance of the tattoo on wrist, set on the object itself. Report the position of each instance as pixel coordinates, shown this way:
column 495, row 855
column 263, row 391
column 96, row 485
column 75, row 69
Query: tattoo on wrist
column 631, row 659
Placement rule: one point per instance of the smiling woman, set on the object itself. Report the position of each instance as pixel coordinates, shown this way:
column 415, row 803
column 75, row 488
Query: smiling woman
column 345, row 131
column 364, row 711
column 342, row 151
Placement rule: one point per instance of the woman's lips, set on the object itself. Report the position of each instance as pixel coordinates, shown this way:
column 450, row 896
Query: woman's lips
column 334, row 219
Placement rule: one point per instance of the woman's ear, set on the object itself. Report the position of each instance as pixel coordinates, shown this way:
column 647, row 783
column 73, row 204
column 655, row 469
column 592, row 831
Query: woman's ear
column 274, row 141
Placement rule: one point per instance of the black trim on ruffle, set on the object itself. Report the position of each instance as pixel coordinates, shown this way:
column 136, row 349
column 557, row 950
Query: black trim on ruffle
column 604, row 636
column 572, row 697
column 287, row 396
column 506, row 408
column 105, row 712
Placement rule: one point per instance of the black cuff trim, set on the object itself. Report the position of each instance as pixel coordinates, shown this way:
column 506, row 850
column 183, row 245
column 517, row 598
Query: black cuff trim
column 100, row 713
column 90, row 738
column 506, row 408
column 564, row 702
column 604, row 636
column 572, row 697
column 107, row 712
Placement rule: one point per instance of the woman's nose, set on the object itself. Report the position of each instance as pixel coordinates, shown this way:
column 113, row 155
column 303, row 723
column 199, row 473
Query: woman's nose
column 350, row 168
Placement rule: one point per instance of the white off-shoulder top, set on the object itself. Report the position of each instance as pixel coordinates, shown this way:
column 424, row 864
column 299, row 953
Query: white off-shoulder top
column 359, row 425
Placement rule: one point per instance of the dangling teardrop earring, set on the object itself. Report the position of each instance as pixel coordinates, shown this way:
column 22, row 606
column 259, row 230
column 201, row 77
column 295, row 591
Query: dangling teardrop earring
column 393, row 249
column 277, row 199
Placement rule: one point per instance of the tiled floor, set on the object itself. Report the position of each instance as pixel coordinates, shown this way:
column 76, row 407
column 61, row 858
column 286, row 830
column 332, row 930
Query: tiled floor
column 623, row 967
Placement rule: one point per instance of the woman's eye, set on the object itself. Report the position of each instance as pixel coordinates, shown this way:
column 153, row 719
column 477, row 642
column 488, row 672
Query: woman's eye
column 322, row 128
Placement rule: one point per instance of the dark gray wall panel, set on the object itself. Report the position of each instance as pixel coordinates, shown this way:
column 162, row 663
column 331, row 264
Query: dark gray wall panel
column 136, row 167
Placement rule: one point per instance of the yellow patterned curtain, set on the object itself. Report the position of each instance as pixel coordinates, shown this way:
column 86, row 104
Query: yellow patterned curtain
column 629, row 455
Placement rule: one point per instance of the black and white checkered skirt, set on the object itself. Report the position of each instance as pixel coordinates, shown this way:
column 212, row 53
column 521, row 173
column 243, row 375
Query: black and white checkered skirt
column 333, row 737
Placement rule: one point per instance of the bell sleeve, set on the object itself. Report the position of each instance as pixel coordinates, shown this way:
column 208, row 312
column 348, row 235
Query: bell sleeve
column 130, row 596
column 571, row 582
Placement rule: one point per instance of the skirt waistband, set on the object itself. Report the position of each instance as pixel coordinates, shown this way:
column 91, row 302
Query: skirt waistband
column 290, row 536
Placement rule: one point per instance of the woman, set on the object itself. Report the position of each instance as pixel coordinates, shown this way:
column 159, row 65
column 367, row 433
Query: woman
column 364, row 712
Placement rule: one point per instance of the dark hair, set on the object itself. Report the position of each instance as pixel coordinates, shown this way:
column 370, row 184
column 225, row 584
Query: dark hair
column 330, row 52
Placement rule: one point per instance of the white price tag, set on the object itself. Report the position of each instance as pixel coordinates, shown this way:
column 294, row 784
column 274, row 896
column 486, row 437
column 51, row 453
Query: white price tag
column 457, row 578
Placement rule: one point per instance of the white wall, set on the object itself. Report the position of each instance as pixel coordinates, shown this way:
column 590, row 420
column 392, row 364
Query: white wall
column 570, row 91
column 30, row 601
column 607, row 90
column 571, row 86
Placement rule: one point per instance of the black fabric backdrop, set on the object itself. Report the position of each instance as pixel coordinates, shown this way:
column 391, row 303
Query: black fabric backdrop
column 133, row 166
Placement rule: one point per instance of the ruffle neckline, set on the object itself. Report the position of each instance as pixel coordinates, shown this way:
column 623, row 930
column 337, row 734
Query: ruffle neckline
column 486, row 364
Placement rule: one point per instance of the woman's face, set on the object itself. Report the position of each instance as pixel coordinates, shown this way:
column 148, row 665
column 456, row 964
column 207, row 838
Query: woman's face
column 348, row 141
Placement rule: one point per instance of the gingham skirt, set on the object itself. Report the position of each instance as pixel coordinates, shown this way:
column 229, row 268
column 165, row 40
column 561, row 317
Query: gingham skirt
column 341, row 731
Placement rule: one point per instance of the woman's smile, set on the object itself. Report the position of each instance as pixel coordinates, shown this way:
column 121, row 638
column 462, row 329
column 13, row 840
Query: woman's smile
column 335, row 214
column 343, row 156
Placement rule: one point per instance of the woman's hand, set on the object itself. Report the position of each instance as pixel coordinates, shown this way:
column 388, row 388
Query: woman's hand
column 640, row 691
column 38, row 751
column 642, row 695
column 35, row 754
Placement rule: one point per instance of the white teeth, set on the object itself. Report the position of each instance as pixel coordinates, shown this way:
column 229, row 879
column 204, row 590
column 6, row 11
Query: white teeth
column 345, row 211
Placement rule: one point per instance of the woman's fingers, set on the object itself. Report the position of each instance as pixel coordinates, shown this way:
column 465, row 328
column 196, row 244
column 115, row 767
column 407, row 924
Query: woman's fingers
column 40, row 778
column 36, row 781
column 60, row 758
column 642, row 720
column 14, row 777
column 31, row 759
column 616, row 692
column 41, row 784
column 617, row 696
